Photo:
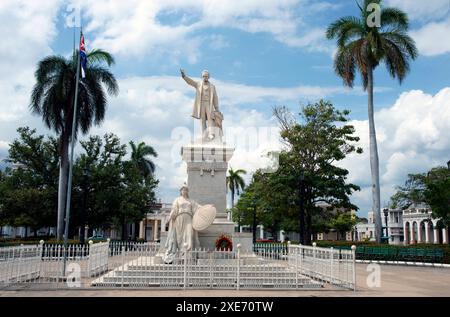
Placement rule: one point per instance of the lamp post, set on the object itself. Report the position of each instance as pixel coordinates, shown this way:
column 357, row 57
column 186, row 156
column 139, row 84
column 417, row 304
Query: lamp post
column 448, row 165
column 86, row 174
column 302, row 209
column 254, row 220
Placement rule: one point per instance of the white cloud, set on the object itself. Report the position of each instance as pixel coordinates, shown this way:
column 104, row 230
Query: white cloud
column 412, row 138
column 435, row 17
column 218, row 42
column 28, row 28
column 422, row 10
column 429, row 38
column 169, row 28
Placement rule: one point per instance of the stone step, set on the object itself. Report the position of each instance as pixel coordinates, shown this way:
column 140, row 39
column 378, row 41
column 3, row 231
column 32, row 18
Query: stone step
column 203, row 272
column 219, row 282
column 206, row 267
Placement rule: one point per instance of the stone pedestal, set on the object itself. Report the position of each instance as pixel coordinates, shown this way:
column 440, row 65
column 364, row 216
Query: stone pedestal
column 207, row 165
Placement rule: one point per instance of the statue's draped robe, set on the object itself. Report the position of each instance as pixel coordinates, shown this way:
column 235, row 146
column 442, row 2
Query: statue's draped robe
column 181, row 235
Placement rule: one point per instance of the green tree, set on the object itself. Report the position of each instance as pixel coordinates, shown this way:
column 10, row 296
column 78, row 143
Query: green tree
column 29, row 190
column 53, row 99
column 343, row 222
column 362, row 47
column 432, row 188
column 308, row 169
column 437, row 193
column 412, row 193
column 235, row 183
column 109, row 191
column 140, row 156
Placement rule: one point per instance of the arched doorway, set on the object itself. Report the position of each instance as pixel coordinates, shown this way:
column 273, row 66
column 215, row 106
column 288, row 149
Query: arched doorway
column 406, row 234
column 440, row 226
column 431, row 231
column 423, row 233
column 415, row 232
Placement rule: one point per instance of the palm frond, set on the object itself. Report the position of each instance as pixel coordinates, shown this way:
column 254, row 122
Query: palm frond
column 395, row 19
column 98, row 57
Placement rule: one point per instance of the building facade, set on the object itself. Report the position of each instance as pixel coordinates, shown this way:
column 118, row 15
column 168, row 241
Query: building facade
column 365, row 230
column 420, row 227
column 411, row 226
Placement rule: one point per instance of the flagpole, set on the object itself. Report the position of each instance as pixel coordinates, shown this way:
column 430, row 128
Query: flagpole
column 72, row 142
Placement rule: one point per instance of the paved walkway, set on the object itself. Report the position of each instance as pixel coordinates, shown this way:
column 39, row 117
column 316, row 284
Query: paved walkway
column 395, row 281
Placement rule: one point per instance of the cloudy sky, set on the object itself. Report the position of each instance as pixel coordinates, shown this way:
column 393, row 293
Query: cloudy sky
column 260, row 54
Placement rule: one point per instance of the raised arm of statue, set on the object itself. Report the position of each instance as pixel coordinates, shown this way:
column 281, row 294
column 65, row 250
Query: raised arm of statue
column 188, row 80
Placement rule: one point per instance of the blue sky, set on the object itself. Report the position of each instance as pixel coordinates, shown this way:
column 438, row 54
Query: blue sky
column 260, row 54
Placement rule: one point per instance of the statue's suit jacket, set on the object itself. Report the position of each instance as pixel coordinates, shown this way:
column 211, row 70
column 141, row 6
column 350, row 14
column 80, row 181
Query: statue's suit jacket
column 213, row 103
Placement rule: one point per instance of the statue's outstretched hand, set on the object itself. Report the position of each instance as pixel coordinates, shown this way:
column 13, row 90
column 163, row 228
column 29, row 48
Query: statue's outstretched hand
column 183, row 73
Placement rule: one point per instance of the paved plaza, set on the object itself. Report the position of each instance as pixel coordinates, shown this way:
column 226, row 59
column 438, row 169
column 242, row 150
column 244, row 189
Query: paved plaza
column 395, row 281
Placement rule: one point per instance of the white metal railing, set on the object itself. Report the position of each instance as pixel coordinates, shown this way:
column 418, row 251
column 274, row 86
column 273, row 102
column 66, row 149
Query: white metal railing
column 336, row 267
column 116, row 247
column 139, row 265
column 98, row 258
column 19, row 264
column 203, row 269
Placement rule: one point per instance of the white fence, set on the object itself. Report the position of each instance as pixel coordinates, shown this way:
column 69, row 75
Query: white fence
column 141, row 265
column 336, row 267
column 202, row 269
column 98, row 258
column 52, row 265
column 19, row 264
column 117, row 247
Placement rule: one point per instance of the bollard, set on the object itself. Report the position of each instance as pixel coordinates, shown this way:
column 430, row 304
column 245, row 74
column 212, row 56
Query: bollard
column 331, row 264
column 123, row 263
column 314, row 259
column 354, row 267
column 238, row 266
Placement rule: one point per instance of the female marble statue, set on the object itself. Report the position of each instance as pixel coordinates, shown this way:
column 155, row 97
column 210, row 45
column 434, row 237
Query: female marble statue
column 181, row 235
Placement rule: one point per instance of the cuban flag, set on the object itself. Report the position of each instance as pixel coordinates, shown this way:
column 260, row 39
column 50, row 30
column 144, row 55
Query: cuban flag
column 83, row 57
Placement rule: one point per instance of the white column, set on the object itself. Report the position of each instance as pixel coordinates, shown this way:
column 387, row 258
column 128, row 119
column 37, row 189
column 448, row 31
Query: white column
column 141, row 230
column 163, row 225
column 411, row 232
column 427, row 232
column 444, row 236
column 405, row 234
column 419, row 232
column 436, row 235
column 155, row 230
column 261, row 232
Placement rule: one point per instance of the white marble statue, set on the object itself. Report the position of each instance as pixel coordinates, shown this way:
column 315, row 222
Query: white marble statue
column 206, row 106
column 181, row 235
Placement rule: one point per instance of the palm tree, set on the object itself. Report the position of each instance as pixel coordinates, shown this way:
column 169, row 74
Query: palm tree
column 139, row 156
column 53, row 99
column 235, row 183
column 363, row 47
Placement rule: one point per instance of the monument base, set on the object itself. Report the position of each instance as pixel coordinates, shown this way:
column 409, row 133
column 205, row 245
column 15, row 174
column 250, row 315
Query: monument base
column 220, row 227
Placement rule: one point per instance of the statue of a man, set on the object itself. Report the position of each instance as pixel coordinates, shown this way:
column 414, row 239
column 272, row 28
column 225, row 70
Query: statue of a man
column 206, row 106
column 181, row 235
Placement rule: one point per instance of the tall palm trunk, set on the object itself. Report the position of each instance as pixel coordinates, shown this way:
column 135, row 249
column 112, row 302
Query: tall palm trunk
column 62, row 188
column 232, row 205
column 374, row 164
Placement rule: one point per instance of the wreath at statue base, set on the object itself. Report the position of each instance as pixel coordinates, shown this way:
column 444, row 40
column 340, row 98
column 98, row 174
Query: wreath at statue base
column 224, row 243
